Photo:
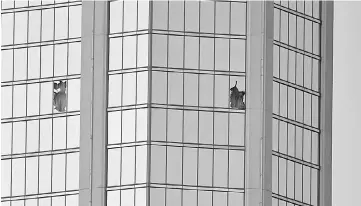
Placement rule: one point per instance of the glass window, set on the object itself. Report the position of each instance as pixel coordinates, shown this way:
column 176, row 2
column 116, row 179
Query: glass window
column 47, row 61
column 276, row 98
column 236, row 169
column 73, row 131
column 33, row 99
column 299, row 143
column 283, row 100
column 283, row 63
column 204, row 198
column 159, row 91
column 176, row 15
column 158, row 124
column 75, row 23
column 221, row 91
column 19, row 137
column 47, row 23
column 157, row 194
column 175, row 51
column 6, row 102
column 58, row 201
column 300, row 31
column 282, row 175
column 207, row 53
column 191, row 52
column 190, row 89
column 73, row 200
column 159, row 44
column 60, row 60
column 238, row 55
column 113, row 197
column 235, row 199
column 316, row 39
column 236, row 129
column 282, row 137
column 128, row 126
column 284, row 27
column 306, row 184
column 127, row 197
column 143, row 14
column 291, row 140
column 222, row 17
column 21, row 20
column 45, row 174
column 219, row 198
column 115, row 90
column 74, row 95
column 315, row 149
column 142, row 125
column 7, row 65
column 129, row 54
column 114, row 127
column 290, row 179
column 292, row 30
column 140, row 197
column 7, row 25
column 6, row 133
column 130, row 15
column 190, row 166
column 142, row 59
column 158, row 165
column 307, row 75
column 32, row 175
column 206, row 127
column 58, row 173
column 72, row 172
column 314, row 186
column 34, row 63
column 308, row 36
column 207, row 16
column 175, row 88
column 61, row 23
column 276, row 61
column 275, row 135
column 44, row 201
column 141, row 164
column 142, row 87
column 315, row 74
column 20, row 67
column 316, row 9
column 174, row 197
column 275, row 174
column 307, row 144
column 18, row 176
column 192, row 16
column 34, row 25
column 307, row 108
column 19, row 100
column 205, row 167
column 291, row 103
column 190, row 126
column 7, row 4
column 222, row 54
column 220, row 128
column 175, row 121
column 160, row 14
column 276, row 19
column 5, row 177
column 291, row 66
column 116, row 16
column 301, row 6
column 115, row 53
column 221, row 170
column 59, row 133
column 32, row 136
column 299, row 105
column 190, row 197
column 174, row 165
column 74, row 58
column 206, row 90
column 114, row 159
column 45, row 134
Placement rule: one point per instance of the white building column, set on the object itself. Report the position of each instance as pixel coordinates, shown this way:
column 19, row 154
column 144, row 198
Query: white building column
column 325, row 195
column 259, row 76
column 93, row 105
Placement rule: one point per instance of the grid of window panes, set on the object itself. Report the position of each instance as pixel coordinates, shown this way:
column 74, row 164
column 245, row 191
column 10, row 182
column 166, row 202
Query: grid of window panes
column 178, row 100
column 296, row 103
column 40, row 146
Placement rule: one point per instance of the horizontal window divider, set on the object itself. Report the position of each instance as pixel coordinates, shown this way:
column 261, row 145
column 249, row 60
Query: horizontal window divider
column 196, row 108
column 296, row 86
column 40, row 80
column 197, row 71
column 127, row 187
column 194, row 187
column 297, row 13
column 299, row 124
column 40, row 117
column 39, row 154
column 129, row 33
column 297, row 160
column 289, row 200
column 197, row 34
column 128, row 107
column 41, row 195
column 128, row 70
column 297, row 50
column 41, row 7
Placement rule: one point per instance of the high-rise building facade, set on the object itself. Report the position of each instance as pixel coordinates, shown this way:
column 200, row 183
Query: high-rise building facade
column 159, row 103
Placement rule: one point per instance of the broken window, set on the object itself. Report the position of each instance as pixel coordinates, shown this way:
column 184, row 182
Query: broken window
column 236, row 98
column 59, row 97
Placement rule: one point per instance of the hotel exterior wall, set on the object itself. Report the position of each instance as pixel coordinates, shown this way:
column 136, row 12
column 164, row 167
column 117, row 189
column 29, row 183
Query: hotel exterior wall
column 40, row 146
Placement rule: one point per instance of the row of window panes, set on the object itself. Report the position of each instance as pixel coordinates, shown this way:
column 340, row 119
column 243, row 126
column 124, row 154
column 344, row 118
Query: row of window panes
column 177, row 126
column 24, row 100
column 297, row 31
column 8, row 4
column 129, row 16
column 41, row 25
column 28, row 136
column 295, row 104
column 41, row 62
column 43, row 174
column 294, row 180
column 174, row 197
column 199, row 53
column 55, row 201
column 296, row 68
column 310, row 8
column 194, row 89
column 203, row 16
column 295, row 141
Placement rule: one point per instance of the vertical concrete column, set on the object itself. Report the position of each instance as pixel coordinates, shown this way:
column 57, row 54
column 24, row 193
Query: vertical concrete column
column 259, row 76
column 93, row 108
column 325, row 195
